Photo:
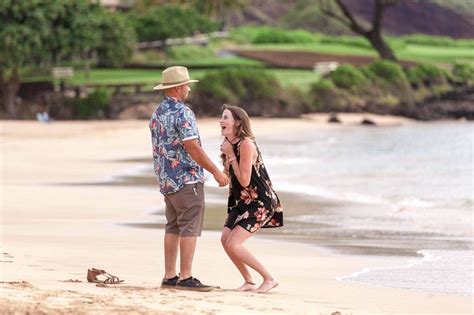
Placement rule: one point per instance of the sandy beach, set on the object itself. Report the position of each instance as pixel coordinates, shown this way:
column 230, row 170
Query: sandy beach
column 53, row 228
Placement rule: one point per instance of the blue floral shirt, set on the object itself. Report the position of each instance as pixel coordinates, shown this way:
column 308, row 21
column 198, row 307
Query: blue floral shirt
column 170, row 125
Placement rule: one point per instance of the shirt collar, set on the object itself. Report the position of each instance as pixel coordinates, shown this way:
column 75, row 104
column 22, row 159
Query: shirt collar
column 172, row 99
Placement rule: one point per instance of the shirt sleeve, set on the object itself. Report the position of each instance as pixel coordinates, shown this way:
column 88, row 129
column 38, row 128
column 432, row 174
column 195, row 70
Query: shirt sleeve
column 186, row 123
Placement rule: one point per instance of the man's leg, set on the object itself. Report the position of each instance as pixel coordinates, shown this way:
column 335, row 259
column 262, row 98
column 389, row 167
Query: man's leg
column 171, row 241
column 187, row 246
column 189, row 205
column 171, row 254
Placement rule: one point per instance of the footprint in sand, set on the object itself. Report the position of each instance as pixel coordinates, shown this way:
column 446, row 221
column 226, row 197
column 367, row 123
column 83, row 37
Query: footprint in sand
column 6, row 258
column 18, row 284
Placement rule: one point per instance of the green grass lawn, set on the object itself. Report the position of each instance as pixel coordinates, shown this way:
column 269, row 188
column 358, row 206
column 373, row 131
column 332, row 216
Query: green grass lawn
column 286, row 77
column 436, row 54
column 420, row 53
column 316, row 47
column 150, row 77
column 210, row 62
column 299, row 78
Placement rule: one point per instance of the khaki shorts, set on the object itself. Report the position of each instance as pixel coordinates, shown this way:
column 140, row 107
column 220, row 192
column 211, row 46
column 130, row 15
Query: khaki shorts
column 185, row 211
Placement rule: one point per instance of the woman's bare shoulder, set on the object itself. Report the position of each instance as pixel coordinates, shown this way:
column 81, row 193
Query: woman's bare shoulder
column 247, row 144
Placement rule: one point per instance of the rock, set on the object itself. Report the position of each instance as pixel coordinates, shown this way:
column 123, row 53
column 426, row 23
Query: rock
column 368, row 122
column 333, row 119
column 450, row 105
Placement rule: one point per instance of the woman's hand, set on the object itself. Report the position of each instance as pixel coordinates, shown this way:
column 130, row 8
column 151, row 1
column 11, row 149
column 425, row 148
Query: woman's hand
column 227, row 149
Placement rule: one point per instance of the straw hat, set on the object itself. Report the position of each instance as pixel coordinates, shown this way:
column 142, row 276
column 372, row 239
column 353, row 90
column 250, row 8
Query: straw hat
column 174, row 76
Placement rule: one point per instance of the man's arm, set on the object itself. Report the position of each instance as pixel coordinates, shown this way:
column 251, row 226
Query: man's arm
column 199, row 155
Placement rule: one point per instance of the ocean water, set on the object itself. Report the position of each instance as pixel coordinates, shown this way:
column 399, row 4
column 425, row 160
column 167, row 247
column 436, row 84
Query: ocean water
column 400, row 187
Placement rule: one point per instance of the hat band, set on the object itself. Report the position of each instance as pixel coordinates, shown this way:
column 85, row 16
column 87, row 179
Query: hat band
column 175, row 82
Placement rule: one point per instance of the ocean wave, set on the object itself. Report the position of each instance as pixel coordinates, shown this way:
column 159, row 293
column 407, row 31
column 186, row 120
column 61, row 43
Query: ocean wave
column 444, row 271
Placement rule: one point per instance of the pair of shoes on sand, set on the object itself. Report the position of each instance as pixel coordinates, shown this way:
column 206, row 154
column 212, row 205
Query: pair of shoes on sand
column 193, row 284
column 189, row 284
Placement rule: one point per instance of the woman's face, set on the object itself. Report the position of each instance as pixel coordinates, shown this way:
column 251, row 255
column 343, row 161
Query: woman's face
column 227, row 123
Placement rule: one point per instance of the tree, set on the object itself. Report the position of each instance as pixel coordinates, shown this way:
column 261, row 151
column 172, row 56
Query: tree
column 49, row 32
column 373, row 33
column 218, row 10
column 215, row 10
column 169, row 21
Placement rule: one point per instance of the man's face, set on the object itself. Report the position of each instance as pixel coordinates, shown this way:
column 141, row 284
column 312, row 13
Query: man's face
column 184, row 91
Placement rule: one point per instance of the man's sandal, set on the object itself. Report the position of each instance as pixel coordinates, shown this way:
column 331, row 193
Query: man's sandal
column 93, row 273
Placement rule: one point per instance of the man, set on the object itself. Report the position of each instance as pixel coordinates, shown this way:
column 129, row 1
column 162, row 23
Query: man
column 179, row 161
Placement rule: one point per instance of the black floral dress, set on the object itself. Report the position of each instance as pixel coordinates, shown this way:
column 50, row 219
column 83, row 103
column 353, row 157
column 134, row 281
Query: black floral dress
column 257, row 205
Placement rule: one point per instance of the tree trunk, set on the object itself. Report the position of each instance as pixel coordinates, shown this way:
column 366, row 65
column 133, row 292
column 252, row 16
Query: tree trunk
column 2, row 105
column 385, row 52
column 87, row 70
column 10, row 89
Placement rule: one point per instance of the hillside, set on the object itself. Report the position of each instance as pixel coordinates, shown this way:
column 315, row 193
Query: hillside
column 424, row 17
column 432, row 17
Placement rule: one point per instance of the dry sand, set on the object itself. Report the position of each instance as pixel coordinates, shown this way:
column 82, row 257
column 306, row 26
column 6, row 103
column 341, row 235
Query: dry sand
column 53, row 231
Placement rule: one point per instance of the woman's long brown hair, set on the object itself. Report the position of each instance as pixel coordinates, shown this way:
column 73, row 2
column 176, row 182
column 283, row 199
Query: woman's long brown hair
column 243, row 130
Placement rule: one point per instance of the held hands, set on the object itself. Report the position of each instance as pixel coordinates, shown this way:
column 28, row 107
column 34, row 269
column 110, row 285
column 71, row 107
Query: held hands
column 221, row 178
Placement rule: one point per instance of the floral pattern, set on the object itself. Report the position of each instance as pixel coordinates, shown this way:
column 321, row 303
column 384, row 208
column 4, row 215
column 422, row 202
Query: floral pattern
column 171, row 124
column 257, row 205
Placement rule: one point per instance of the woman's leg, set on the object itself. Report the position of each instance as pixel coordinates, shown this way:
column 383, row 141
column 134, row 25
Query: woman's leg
column 234, row 245
column 248, row 285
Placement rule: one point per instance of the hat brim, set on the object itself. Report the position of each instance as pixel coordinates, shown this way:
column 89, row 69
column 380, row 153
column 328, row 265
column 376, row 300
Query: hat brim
column 167, row 86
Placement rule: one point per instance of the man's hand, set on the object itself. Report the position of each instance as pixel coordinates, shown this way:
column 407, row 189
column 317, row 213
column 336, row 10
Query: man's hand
column 221, row 178
column 197, row 153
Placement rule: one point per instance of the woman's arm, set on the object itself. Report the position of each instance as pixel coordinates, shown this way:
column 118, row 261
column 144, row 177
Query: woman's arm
column 243, row 169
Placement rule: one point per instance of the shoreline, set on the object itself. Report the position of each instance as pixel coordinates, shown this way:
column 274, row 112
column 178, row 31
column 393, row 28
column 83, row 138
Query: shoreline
column 53, row 233
column 404, row 257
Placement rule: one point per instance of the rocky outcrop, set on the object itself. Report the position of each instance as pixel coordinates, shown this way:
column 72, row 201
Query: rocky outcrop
column 451, row 105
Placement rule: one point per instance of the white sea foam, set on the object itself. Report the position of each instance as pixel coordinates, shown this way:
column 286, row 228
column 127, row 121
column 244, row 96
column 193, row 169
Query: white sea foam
column 444, row 271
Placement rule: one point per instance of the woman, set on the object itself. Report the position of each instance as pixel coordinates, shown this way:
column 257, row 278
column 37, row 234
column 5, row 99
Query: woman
column 253, row 203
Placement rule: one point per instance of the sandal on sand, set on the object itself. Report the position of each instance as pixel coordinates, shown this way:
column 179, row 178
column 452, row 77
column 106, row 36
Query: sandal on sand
column 109, row 279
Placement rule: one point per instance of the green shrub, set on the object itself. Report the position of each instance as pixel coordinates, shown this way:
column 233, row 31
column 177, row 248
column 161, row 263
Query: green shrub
column 388, row 71
column 391, row 79
column 244, row 34
column 270, row 35
column 302, row 36
column 325, row 96
column 293, row 102
column 94, row 105
column 255, row 90
column 368, row 74
column 463, row 72
column 169, row 21
column 426, row 74
column 323, row 85
column 347, row 76
column 189, row 52
column 440, row 41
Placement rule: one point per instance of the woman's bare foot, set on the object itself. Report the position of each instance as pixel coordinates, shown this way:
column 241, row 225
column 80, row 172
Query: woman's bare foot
column 266, row 286
column 247, row 286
